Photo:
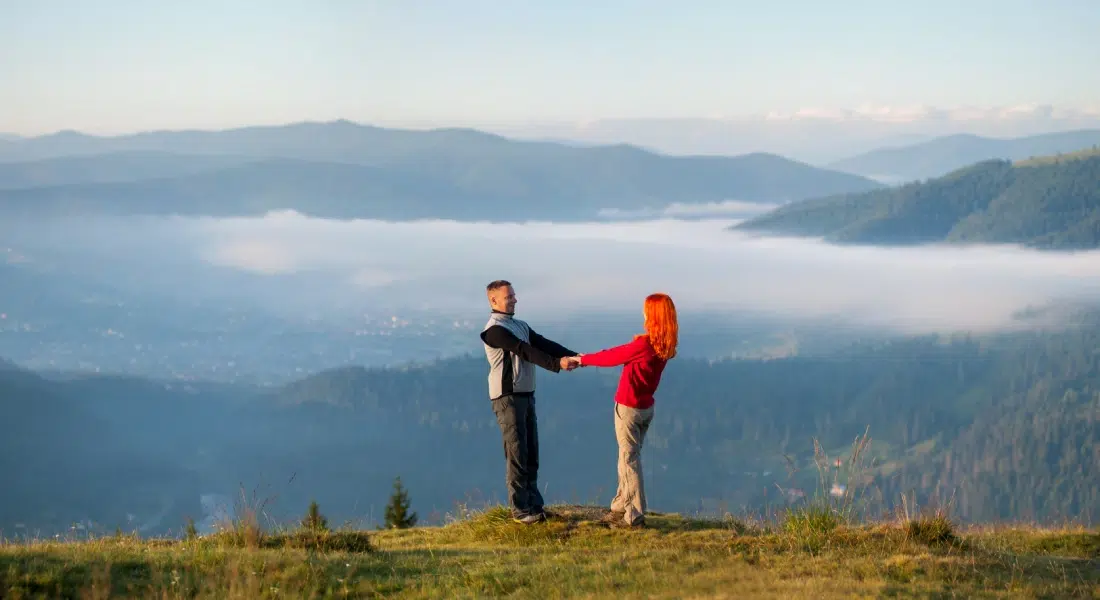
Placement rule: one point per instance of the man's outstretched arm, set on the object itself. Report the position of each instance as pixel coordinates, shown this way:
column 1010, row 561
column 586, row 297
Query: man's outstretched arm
column 549, row 346
column 499, row 337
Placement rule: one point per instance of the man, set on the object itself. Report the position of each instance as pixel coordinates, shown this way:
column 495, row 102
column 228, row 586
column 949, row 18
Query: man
column 513, row 350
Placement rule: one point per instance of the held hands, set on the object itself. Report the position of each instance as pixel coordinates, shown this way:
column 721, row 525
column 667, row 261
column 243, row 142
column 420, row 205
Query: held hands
column 568, row 363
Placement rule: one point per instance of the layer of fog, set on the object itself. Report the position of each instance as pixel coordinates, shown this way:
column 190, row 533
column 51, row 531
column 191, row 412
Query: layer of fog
column 288, row 260
column 730, row 209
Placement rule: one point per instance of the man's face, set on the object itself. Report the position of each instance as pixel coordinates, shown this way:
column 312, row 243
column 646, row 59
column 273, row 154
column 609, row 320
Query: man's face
column 503, row 299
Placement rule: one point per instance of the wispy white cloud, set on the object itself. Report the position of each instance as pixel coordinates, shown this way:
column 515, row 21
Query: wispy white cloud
column 287, row 261
column 920, row 112
column 610, row 266
column 729, row 208
column 261, row 256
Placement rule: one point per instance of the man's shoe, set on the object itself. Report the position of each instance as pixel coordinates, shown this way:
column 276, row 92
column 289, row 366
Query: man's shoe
column 529, row 519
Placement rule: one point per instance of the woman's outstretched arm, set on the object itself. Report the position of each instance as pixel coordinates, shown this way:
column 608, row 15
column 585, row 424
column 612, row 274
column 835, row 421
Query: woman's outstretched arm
column 619, row 355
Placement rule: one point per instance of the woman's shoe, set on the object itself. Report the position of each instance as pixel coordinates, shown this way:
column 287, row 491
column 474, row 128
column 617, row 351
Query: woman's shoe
column 622, row 524
column 615, row 516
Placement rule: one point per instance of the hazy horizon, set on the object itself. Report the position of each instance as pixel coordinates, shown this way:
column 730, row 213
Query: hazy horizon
column 823, row 83
column 818, row 137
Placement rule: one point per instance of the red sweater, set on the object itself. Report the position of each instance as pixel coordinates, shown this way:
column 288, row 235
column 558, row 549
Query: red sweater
column 641, row 375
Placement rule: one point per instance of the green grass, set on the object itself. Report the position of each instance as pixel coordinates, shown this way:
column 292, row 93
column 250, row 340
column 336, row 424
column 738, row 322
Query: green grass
column 487, row 555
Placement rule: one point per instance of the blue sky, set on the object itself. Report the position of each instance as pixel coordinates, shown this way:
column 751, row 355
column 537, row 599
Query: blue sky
column 125, row 65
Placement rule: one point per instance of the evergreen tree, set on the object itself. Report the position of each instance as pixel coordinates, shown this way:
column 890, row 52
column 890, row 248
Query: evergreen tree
column 191, row 531
column 314, row 520
column 397, row 511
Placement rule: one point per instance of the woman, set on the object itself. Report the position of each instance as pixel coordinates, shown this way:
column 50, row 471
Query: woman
column 643, row 361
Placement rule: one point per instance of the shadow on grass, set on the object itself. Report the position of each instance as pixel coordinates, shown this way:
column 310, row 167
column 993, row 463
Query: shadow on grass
column 674, row 523
column 189, row 570
column 39, row 575
column 328, row 541
column 495, row 525
column 1077, row 545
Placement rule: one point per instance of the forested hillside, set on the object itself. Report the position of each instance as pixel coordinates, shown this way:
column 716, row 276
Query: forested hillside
column 997, row 422
column 1051, row 204
column 1004, row 426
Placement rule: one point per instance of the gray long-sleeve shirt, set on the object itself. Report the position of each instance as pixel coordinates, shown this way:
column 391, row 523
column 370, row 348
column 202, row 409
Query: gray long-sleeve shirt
column 513, row 350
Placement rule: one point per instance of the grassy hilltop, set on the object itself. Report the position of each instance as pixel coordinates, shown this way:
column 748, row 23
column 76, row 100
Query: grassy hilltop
column 804, row 554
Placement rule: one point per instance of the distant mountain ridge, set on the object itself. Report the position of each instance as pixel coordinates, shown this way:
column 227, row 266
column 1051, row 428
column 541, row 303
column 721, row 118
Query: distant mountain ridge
column 341, row 140
column 942, row 155
column 112, row 167
column 1051, row 203
column 345, row 170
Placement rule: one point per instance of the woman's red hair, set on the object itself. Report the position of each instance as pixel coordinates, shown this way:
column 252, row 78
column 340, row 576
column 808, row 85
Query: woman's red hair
column 661, row 326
